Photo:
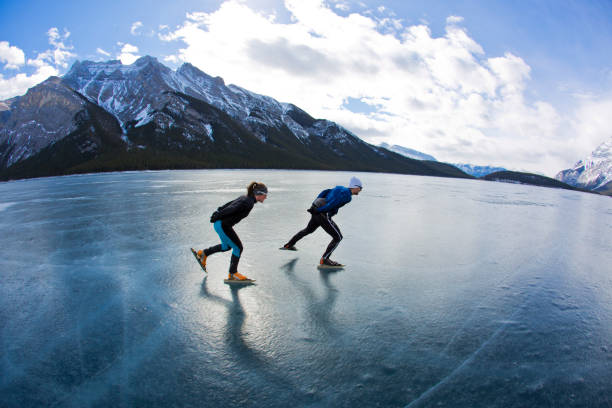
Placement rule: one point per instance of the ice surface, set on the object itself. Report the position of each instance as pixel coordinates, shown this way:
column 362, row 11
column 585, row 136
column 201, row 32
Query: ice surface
column 457, row 293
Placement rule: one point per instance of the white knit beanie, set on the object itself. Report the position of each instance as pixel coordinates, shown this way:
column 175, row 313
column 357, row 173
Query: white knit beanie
column 355, row 182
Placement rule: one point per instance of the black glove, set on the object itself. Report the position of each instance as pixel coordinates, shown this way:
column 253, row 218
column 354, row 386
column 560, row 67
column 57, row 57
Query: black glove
column 215, row 216
column 312, row 210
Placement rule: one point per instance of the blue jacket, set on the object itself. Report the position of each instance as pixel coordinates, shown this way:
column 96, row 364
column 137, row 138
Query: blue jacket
column 334, row 199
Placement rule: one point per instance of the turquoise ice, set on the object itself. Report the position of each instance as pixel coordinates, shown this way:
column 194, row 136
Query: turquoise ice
column 457, row 293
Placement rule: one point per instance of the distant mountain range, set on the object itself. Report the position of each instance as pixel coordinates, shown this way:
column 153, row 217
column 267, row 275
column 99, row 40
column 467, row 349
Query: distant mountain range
column 593, row 172
column 104, row 116
column 476, row 171
column 500, row 174
column 530, row 179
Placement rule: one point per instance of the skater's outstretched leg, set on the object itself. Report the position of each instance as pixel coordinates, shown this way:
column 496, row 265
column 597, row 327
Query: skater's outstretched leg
column 313, row 224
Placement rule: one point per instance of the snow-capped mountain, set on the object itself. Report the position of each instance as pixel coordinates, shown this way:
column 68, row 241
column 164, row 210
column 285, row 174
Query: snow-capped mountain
column 109, row 116
column 138, row 94
column 593, row 172
column 406, row 152
column 478, row 171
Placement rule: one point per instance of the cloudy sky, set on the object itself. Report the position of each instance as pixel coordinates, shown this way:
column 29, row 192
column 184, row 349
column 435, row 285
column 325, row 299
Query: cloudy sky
column 526, row 85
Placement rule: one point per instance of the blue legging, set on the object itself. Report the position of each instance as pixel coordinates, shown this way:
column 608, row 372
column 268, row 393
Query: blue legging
column 229, row 239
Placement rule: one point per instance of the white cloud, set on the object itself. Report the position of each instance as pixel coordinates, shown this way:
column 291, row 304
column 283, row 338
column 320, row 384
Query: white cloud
column 173, row 59
column 46, row 64
column 512, row 71
column 128, row 53
column 441, row 95
column 13, row 57
column 128, row 48
column 20, row 83
column 135, row 30
column 101, row 51
column 454, row 20
column 342, row 6
column 590, row 126
column 60, row 54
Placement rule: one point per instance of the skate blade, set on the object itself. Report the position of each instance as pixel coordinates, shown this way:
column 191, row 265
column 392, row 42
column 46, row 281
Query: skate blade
column 330, row 267
column 239, row 282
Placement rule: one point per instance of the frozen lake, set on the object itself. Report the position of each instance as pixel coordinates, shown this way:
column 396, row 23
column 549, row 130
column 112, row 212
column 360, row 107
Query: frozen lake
column 457, row 293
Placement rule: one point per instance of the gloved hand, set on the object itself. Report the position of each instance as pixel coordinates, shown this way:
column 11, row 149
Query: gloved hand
column 312, row 210
column 215, row 216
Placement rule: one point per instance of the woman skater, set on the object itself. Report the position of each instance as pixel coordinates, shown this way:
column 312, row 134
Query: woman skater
column 224, row 219
column 324, row 207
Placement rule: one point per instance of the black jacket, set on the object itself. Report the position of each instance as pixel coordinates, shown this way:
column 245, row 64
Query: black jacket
column 231, row 213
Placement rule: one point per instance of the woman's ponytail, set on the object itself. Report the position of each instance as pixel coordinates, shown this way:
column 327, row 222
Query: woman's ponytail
column 250, row 189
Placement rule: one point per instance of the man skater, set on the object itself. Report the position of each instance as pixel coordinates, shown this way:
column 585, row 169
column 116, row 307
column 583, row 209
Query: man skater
column 323, row 208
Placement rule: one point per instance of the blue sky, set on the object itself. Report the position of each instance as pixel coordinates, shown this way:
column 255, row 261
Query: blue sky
column 522, row 84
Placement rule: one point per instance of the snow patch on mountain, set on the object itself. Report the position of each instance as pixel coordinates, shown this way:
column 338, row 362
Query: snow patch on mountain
column 209, row 132
column 144, row 116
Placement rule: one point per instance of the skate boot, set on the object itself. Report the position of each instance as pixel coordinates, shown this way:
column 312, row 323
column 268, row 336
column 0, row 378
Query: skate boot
column 201, row 256
column 329, row 264
column 238, row 276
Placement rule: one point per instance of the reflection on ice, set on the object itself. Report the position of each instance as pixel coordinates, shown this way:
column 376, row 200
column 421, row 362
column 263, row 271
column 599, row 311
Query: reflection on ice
column 457, row 293
column 320, row 316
